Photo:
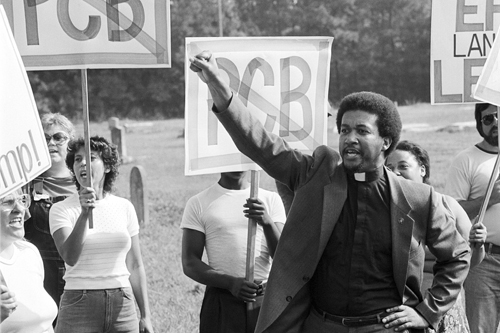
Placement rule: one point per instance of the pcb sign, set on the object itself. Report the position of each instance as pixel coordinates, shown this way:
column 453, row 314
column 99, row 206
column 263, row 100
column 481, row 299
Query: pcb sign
column 68, row 34
column 23, row 151
column 462, row 36
column 282, row 81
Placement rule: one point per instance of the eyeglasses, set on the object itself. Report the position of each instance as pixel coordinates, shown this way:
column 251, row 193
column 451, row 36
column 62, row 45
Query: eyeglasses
column 489, row 118
column 59, row 138
column 9, row 202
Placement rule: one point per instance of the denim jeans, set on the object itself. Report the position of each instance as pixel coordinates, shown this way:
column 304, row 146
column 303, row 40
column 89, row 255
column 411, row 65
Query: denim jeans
column 482, row 295
column 97, row 311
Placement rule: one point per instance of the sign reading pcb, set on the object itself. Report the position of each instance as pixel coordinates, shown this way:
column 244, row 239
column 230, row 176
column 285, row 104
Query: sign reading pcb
column 282, row 81
column 462, row 35
column 64, row 34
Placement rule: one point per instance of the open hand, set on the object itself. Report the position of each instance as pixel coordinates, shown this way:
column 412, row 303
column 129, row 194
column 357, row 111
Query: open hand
column 403, row 317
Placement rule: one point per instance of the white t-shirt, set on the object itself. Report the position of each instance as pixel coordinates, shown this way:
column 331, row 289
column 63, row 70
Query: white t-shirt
column 218, row 213
column 23, row 274
column 102, row 262
column 468, row 179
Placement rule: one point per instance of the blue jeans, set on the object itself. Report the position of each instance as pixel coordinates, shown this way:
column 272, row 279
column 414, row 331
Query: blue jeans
column 482, row 295
column 97, row 311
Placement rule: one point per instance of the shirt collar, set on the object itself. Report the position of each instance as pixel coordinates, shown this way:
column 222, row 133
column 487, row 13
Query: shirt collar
column 367, row 177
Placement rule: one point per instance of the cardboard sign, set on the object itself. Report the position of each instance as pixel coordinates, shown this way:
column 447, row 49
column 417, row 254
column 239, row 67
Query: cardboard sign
column 462, row 35
column 282, row 81
column 488, row 85
column 69, row 34
column 23, row 150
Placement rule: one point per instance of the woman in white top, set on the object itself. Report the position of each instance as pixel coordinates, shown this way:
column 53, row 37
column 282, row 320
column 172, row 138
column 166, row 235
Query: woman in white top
column 104, row 268
column 25, row 305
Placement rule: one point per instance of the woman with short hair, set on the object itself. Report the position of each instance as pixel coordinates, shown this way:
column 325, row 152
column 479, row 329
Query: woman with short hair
column 52, row 186
column 104, row 268
column 25, row 306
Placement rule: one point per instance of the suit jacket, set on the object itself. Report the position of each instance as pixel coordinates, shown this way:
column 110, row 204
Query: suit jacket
column 418, row 218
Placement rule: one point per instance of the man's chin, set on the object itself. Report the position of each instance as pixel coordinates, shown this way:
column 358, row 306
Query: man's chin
column 353, row 167
column 492, row 140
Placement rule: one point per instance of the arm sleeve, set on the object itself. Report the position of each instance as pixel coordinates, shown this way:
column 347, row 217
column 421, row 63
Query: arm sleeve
column 191, row 218
column 59, row 217
column 277, row 209
column 133, row 222
column 457, row 180
column 452, row 262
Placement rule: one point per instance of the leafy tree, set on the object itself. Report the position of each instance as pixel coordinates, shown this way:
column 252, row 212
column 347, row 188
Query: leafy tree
column 379, row 45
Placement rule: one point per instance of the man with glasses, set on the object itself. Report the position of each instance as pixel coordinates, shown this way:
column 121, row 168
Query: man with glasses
column 467, row 182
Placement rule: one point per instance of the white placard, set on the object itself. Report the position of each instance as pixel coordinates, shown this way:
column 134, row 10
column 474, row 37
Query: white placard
column 23, row 150
column 462, row 35
column 488, row 85
column 69, row 34
column 284, row 83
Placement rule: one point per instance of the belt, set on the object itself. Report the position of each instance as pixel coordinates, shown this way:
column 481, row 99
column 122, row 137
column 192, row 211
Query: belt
column 491, row 248
column 352, row 321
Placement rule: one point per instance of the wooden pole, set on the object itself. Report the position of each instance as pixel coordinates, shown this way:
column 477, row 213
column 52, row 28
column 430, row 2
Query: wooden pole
column 86, row 136
column 493, row 178
column 252, row 231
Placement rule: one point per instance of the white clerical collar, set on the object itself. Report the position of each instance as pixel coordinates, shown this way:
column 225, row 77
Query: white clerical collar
column 368, row 176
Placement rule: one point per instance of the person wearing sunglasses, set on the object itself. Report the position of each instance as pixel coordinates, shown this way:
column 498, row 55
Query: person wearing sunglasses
column 25, row 305
column 52, row 186
column 467, row 182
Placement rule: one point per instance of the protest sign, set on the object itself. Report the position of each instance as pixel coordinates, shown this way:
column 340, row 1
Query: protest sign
column 23, row 150
column 283, row 82
column 488, row 85
column 462, row 35
column 73, row 34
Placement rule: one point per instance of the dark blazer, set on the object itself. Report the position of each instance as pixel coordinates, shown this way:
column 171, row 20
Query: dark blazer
column 418, row 218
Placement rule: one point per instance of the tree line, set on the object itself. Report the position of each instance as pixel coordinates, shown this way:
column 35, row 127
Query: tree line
column 379, row 45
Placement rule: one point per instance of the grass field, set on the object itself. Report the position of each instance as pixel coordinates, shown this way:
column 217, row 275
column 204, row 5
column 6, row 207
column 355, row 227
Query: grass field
column 159, row 148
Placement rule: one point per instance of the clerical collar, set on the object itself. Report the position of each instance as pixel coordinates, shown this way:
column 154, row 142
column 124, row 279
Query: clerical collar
column 368, row 176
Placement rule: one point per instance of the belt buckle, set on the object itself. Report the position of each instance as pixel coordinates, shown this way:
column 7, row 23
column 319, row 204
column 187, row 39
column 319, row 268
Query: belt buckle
column 343, row 323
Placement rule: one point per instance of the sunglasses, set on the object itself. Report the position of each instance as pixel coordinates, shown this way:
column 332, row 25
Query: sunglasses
column 489, row 118
column 9, row 202
column 59, row 138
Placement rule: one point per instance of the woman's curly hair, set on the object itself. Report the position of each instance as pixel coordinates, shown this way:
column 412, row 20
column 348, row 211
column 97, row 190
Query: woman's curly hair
column 108, row 153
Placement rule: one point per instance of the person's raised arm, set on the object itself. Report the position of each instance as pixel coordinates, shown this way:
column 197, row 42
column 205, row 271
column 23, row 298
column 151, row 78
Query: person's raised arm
column 205, row 65
column 193, row 243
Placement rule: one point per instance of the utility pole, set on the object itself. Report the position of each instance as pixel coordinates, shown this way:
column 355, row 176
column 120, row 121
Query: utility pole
column 221, row 34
